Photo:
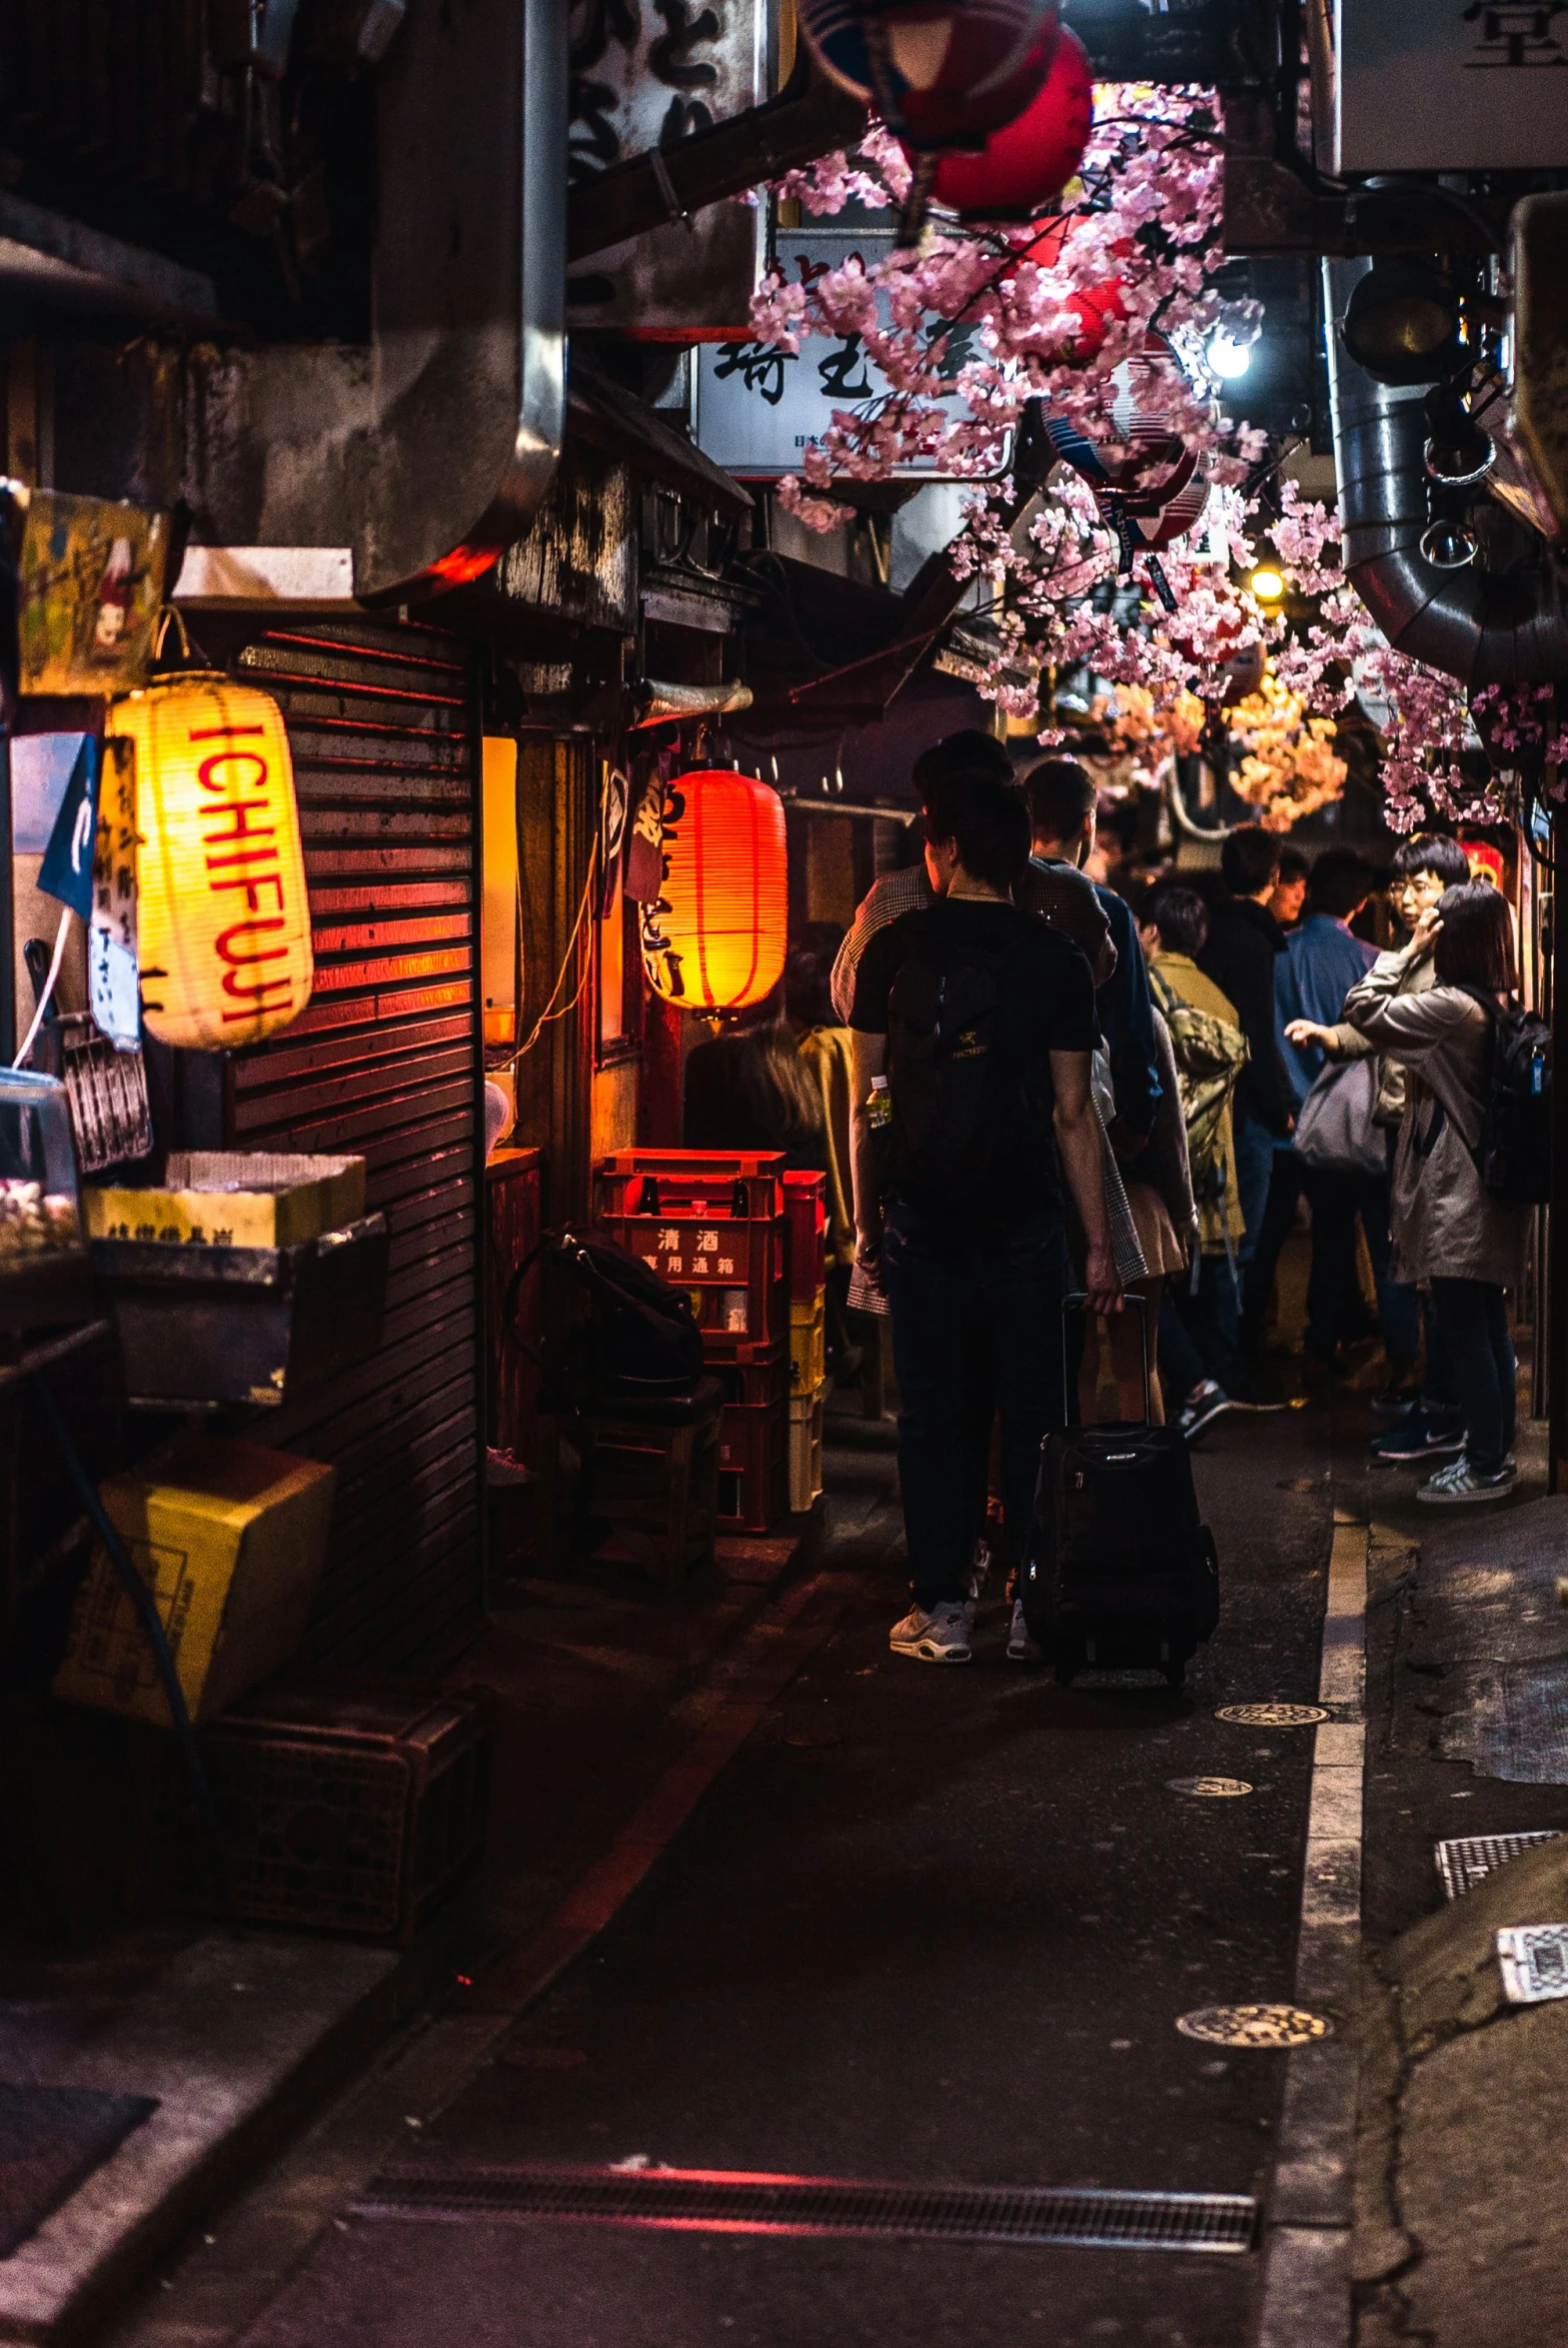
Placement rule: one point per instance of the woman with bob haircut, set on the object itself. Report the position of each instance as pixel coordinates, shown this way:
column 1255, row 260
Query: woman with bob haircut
column 1447, row 1227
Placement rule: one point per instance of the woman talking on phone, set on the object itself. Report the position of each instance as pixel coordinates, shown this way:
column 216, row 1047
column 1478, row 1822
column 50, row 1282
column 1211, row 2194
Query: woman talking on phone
column 1447, row 1227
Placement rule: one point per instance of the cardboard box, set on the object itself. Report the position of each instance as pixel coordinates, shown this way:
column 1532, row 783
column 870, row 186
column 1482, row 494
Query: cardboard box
column 231, row 1538
column 234, row 1199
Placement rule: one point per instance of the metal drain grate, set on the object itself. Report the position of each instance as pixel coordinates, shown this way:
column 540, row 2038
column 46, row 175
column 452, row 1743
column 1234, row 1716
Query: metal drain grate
column 723, row 2201
column 1465, row 1858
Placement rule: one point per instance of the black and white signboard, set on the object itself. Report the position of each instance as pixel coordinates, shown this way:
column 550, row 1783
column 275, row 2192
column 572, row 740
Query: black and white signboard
column 1442, row 85
column 758, row 409
column 647, row 74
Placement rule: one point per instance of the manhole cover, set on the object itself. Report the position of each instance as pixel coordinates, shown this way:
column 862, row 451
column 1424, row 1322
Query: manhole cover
column 1218, row 1788
column 1272, row 1715
column 1254, row 2025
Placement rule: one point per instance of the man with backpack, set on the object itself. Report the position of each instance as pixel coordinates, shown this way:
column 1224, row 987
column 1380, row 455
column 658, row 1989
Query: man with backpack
column 973, row 1028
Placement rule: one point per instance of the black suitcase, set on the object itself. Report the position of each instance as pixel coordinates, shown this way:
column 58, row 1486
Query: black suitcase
column 1122, row 1572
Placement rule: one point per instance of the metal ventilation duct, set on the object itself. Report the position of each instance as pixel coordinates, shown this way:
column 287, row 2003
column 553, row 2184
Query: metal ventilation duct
column 469, row 346
column 1475, row 624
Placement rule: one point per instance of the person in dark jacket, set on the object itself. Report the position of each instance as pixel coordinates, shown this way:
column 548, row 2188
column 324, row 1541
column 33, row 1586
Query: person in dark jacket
column 1244, row 941
column 1063, row 804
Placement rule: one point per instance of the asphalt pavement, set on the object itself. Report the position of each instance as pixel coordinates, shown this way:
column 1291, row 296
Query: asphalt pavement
column 929, row 1928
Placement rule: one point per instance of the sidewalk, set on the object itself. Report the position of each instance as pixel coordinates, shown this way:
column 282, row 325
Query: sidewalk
column 238, row 2034
column 1462, row 2202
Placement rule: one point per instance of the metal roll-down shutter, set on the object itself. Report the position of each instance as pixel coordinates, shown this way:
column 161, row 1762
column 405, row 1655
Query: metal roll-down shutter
column 386, row 1063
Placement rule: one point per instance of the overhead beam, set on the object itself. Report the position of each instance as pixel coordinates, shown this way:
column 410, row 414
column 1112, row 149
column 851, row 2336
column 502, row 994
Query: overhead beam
column 810, row 117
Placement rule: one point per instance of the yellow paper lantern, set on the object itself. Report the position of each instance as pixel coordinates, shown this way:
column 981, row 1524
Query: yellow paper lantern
column 225, row 926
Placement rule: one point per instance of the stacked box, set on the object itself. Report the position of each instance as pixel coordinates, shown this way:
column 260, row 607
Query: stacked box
column 714, row 1224
column 806, row 1448
column 344, row 1808
column 710, row 1222
column 807, row 1345
column 806, row 1212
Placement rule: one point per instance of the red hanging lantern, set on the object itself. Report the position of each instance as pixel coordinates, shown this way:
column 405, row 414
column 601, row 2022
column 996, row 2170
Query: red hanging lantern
column 942, row 73
column 715, row 939
column 1154, row 491
column 1029, row 160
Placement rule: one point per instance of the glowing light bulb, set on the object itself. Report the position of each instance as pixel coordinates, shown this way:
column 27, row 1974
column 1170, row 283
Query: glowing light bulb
column 1227, row 356
column 1267, row 586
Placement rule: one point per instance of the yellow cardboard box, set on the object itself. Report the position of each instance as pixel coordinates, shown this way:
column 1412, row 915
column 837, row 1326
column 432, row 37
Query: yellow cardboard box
column 234, row 1199
column 231, row 1538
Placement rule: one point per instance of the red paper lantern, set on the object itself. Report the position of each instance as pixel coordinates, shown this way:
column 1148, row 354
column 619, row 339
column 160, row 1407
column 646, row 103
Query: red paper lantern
column 715, row 939
column 1032, row 157
column 943, row 73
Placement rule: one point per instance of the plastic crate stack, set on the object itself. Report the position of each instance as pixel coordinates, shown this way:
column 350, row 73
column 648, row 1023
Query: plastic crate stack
column 713, row 1223
column 806, row 1208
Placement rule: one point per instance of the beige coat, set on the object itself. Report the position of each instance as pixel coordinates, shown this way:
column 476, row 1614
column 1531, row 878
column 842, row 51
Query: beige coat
column 1349, row 1043
column 1446, row 1224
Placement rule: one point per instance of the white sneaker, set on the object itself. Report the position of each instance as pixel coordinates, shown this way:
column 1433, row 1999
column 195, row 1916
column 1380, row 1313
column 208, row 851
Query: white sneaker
column 1458, row 1482
column 942, row 1636
column 1021, row 1647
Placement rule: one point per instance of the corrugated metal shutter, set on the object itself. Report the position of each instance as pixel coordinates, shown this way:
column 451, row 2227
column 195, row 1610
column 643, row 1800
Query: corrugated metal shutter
column 386, row 1063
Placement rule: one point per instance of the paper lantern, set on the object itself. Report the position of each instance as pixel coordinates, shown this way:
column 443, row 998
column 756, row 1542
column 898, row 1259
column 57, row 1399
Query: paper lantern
column 225, row 932
column 1154, row 491
column 942, row 73
column 715, row 939
column 1030, row 159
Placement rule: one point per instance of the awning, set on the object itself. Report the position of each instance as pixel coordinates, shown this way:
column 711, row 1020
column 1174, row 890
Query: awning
column 600, row 412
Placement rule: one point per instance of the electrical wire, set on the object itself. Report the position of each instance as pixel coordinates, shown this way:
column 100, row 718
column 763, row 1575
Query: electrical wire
column 552, row 1011
column 47, row 991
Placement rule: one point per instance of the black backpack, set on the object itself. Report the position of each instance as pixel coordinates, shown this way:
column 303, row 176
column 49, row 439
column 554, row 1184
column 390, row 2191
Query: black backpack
column 639, row 1335
column 963, row 1115
column 1514, row 1155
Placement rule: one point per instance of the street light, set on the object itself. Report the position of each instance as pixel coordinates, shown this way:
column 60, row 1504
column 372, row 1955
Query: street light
column 1267, row 585
column 1227, row 356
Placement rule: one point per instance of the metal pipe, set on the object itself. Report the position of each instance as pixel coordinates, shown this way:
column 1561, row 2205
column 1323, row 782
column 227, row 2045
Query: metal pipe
column 1473, row 624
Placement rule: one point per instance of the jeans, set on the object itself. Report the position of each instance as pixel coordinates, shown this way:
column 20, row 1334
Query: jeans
column 977, row 1331
column 1279, row 1215
column 1254, row 1167
column 1200, row 1336
column 1398, row 1302
column 1473, row 1320
column 1335, row 1306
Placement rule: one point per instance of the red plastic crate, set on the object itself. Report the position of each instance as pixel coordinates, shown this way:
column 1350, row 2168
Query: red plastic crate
column 752, row 1384
column 805, row 1213
column 752, row 1446
column 690, row 1184
column 711, row 1222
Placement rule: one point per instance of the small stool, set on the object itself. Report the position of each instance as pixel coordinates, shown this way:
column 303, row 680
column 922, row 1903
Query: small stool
column 650, row 1470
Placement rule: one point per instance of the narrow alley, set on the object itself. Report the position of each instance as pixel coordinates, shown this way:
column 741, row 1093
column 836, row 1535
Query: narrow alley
column 783, row 1336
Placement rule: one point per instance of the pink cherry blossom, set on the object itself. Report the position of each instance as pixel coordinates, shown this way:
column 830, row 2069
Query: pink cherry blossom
column 974, row 323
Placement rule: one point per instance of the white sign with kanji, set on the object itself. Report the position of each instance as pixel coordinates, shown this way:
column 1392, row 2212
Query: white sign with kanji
column 758, row 409
column 1446, row 85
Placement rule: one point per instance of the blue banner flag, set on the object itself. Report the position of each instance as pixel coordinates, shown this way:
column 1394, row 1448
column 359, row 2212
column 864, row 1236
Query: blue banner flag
column 67, row 868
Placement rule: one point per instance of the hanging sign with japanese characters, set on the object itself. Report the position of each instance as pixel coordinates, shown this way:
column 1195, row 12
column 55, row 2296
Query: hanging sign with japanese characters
column 758, row 407
column 646, row 74
column 1444, row 85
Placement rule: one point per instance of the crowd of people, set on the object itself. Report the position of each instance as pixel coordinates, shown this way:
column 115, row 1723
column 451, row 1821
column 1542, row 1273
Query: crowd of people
column 1040, row 1104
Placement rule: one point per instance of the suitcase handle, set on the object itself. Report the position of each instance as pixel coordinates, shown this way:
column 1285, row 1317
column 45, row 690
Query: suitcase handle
column 1075, row 1302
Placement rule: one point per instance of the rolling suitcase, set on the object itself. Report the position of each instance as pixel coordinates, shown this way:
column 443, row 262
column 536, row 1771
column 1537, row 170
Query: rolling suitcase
column 1120, row 1571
